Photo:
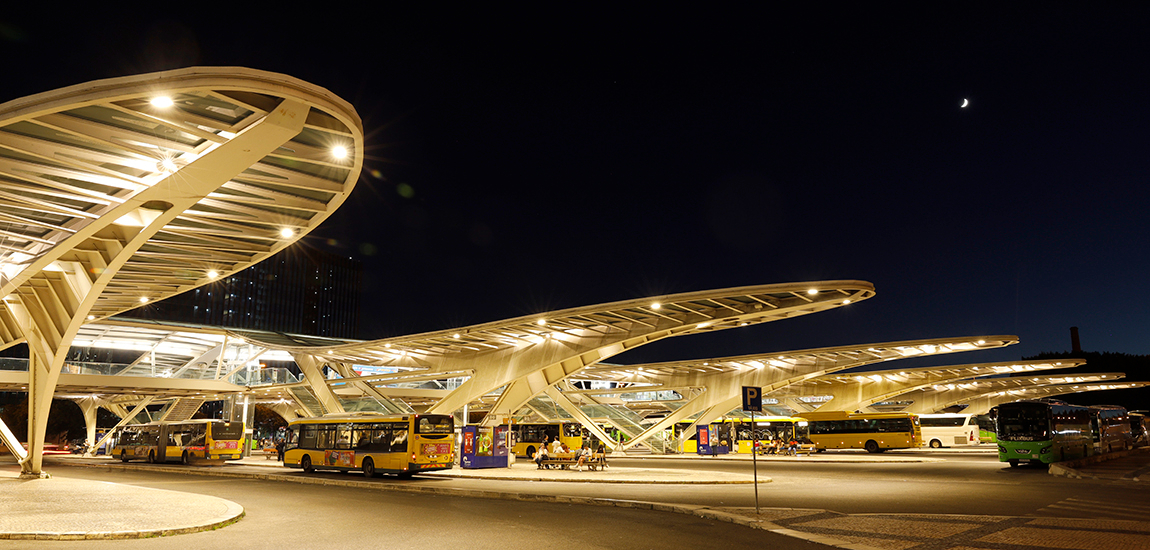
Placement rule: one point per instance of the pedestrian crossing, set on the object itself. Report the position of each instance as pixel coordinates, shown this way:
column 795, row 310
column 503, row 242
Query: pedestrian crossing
column 1097, row 508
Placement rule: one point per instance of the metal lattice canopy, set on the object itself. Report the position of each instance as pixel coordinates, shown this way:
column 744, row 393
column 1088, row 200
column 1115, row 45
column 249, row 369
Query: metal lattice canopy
column 82, row 169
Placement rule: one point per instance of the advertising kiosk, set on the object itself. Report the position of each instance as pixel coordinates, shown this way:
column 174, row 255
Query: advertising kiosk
column 484, row 447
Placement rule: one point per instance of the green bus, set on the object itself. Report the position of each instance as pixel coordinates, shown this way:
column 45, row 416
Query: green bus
column 1042, row 431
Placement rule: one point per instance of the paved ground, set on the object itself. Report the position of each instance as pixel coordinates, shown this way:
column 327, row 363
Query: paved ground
column 64, row 510
column 77, row 509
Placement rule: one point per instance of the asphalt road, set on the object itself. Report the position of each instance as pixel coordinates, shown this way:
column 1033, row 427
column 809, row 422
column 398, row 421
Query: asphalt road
column 283, row 515
column 964, row 483
column 287, row 515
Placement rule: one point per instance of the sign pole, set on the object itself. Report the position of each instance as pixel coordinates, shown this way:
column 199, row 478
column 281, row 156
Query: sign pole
column 755, row 461
column 752, row 403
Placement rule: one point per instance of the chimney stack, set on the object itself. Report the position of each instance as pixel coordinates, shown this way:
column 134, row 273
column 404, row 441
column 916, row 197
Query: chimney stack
column 1075, row 344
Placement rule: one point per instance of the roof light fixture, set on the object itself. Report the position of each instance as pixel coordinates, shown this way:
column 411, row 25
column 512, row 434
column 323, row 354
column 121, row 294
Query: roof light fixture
column 162, row 102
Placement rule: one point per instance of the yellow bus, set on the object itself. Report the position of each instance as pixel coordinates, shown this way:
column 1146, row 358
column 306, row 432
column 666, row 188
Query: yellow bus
column 529, row 436
column 183, row 441
column 875, row 432
column 765, row 429
column 372, row 443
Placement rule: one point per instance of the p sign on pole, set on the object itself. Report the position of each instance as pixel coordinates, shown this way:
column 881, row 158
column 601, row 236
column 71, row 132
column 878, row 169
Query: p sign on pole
column 753, row 403
column 752, row 399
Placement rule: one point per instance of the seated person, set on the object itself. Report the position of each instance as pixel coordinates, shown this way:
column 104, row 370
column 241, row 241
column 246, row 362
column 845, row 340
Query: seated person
column 540, row 456
column 584, row 456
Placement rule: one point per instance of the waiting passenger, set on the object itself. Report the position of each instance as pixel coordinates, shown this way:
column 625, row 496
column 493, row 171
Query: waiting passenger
column 557, row 446
column 584, row 456
column 540, row 456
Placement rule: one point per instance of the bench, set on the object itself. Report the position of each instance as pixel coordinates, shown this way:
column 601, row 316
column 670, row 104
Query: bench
column 564, row 461
column 802, row 448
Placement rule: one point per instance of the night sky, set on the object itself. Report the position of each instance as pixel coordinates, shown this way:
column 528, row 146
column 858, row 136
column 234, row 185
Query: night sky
column 537, row 159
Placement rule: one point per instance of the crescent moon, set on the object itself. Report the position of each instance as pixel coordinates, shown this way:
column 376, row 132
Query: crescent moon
column 965, row 102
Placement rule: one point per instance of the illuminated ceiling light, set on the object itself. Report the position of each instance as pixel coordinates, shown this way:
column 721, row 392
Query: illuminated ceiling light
column 703, row 325
column 981, row 342
column 656, row 305
column 91, row 317
column 541, row 322
column 213, row 274
column 845, row 302
column 456, row 335
column 339, row 152
column 162, row 102
column 743, row 324
column 286, row 233
column 813, row 291
column 143, row 299
column 387, row 345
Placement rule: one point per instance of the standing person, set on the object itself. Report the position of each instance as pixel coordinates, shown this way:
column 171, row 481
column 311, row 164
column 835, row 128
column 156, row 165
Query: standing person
column 556, row 446
column 281, row 444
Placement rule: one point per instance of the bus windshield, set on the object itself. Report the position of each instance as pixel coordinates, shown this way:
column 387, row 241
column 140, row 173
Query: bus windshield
column 1023, row 423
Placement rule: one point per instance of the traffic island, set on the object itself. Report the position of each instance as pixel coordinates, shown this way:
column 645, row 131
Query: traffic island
column 73, row 509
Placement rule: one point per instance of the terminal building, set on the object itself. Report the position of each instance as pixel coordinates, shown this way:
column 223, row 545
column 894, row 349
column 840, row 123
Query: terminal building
column 132, row 190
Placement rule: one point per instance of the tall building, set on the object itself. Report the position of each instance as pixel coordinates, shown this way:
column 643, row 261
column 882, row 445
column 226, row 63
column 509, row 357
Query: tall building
column 300, row 291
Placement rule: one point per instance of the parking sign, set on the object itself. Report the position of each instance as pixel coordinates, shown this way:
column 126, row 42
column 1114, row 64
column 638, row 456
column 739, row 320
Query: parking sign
column 752, row 399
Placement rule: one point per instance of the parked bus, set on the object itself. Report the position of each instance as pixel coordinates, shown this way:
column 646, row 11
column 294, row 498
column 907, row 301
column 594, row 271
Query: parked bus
column 986, row 429
column 875, row 432
column 1139, row 428
column 183, row 441
column 1042, row 431
column 371, row 443
column 1110, row 428
column 529, row 436
column 765, row 428
column 949, row 430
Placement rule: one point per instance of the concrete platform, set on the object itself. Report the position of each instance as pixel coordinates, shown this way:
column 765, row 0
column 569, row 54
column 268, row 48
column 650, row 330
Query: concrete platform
column 73, row 509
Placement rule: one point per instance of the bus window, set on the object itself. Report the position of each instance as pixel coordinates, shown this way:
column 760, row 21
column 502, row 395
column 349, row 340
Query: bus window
column 343, row 436
column 398, row 437
column 434, row 425
column 227, row 430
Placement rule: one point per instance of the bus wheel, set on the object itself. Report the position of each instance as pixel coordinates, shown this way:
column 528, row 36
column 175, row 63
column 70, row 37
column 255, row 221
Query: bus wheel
column 305, row 463
column 871, row 446
column 1013, row 463
column 184, row 459
column 531, row 452
column 935, row 444
column 123, row 455
column 152, row 457
column 368, row 468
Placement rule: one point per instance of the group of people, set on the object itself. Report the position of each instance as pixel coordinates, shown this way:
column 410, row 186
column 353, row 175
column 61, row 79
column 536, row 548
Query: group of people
column 776, row 446
column 582, row 456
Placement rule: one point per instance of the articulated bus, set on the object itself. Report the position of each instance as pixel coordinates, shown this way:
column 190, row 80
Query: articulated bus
column 182, row 441
column 1110, row 427
column 1042, row 431
column 372, row 443
column 528, row 437
column 949, row 429
column 875, row 432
